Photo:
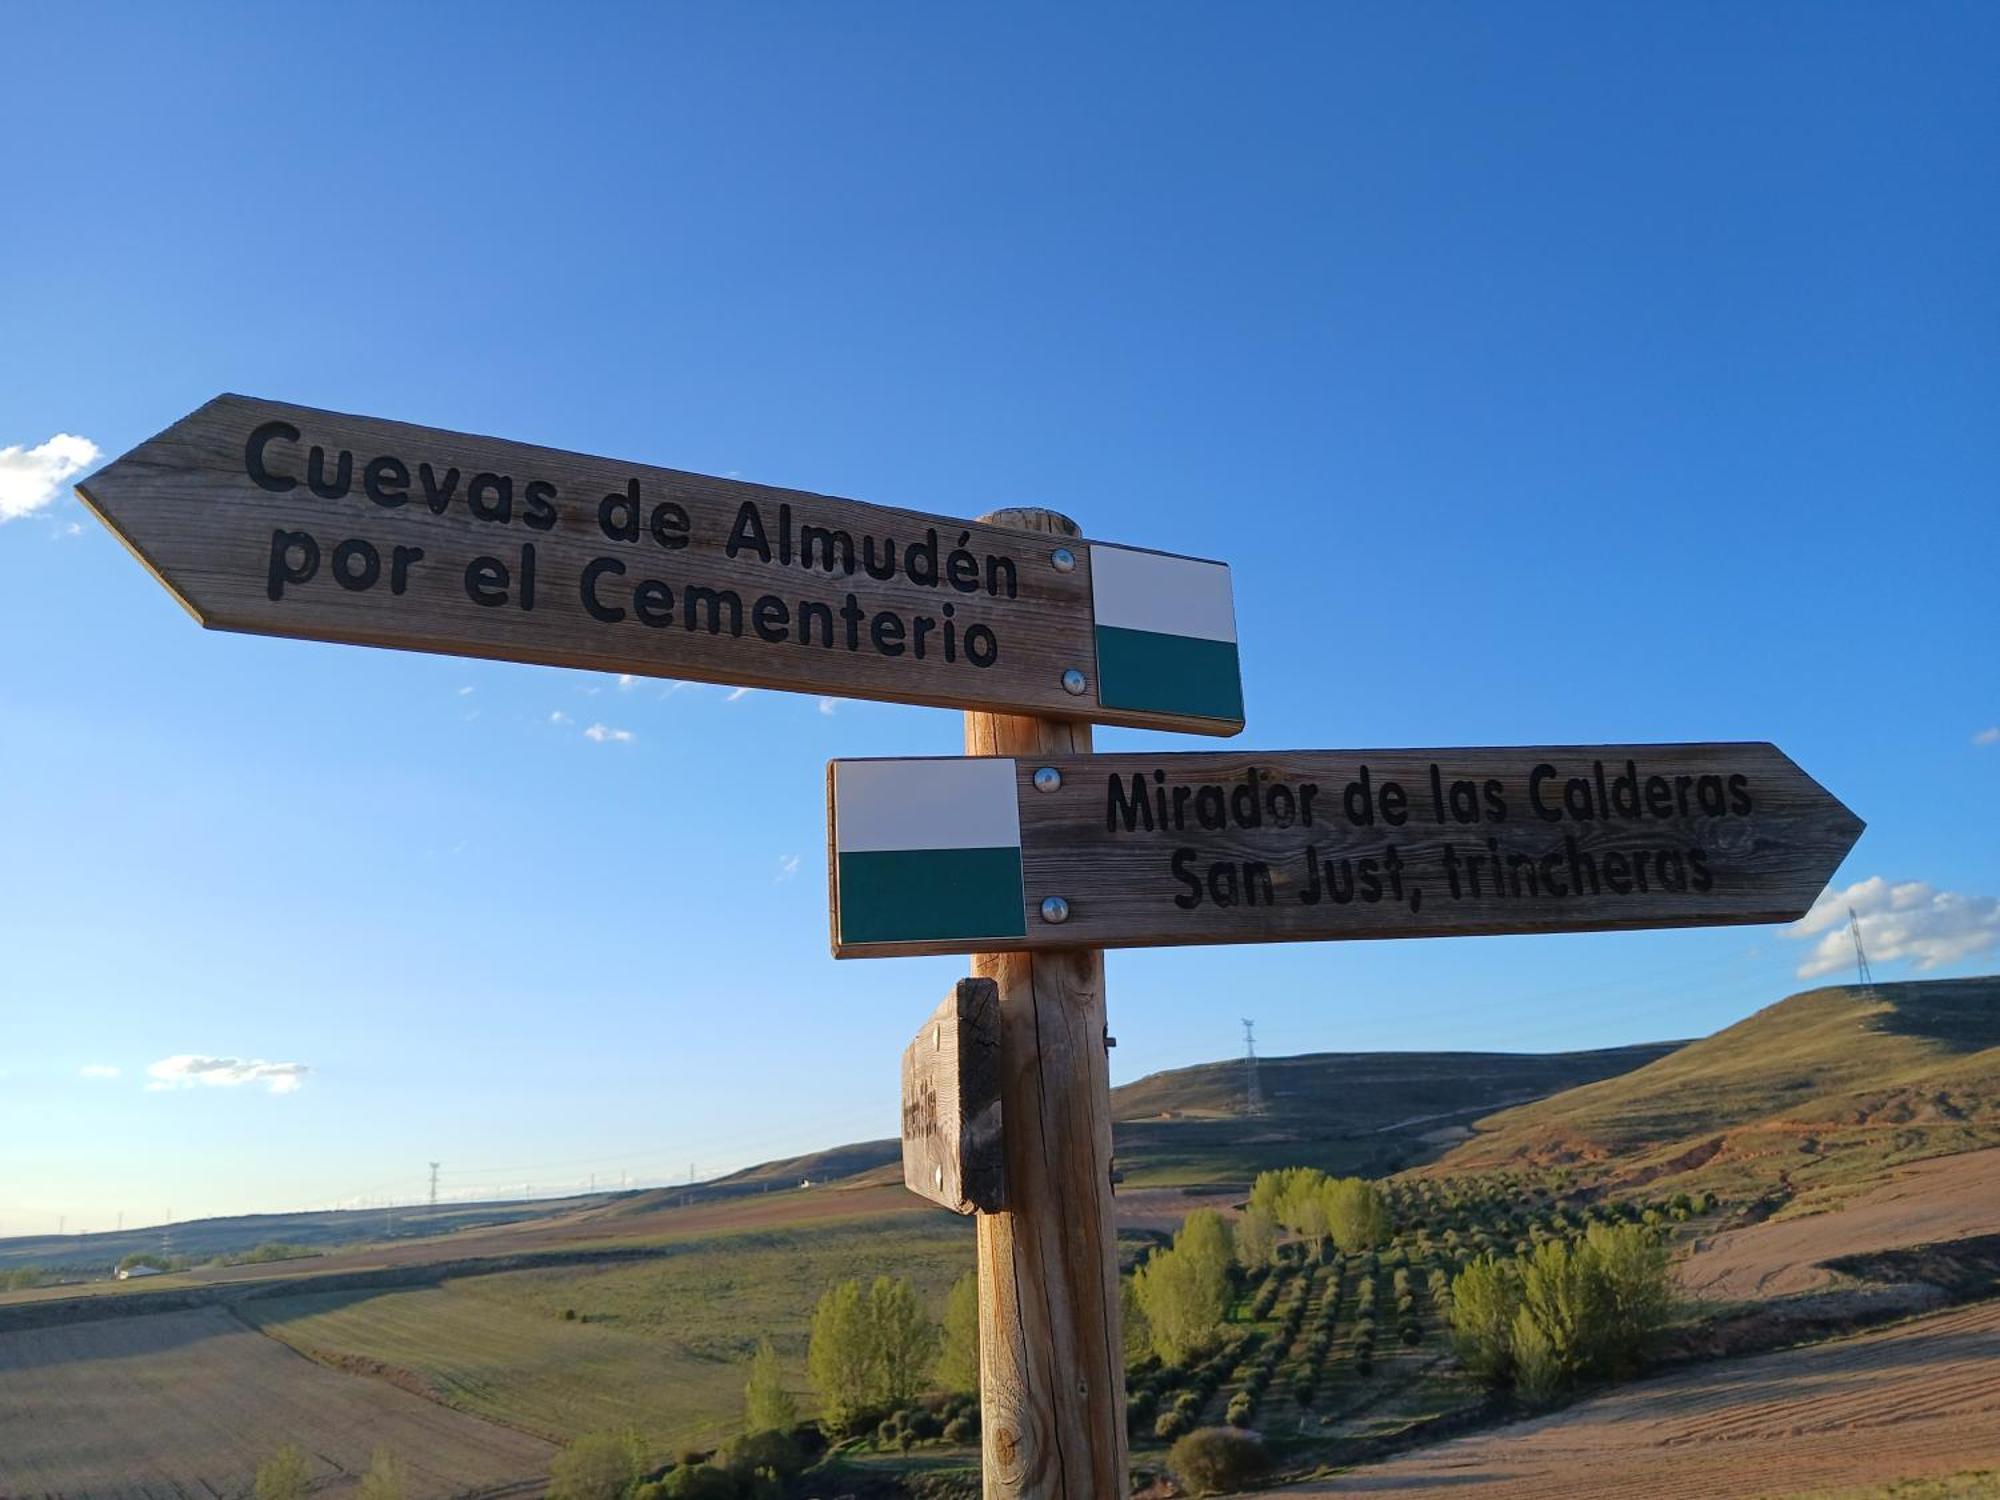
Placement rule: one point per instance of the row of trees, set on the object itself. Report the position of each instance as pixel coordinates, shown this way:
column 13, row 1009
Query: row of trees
column 1350, row 1211
column 871, row 1351
column 1569, row 1311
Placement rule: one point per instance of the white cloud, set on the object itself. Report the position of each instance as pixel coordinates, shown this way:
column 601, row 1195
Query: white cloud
column 735, row 693
column 32, row 477
column 185, row 1070
column 604, row 734
column 465, row 692
column 559, row 717
column 1987, row 736
column 97, row 1070
column 828, row 705
column 1909, row 920
column 788, row 866
column 626, row 682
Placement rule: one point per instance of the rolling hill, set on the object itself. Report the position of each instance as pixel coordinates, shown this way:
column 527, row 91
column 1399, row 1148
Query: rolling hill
column 1798, row 1104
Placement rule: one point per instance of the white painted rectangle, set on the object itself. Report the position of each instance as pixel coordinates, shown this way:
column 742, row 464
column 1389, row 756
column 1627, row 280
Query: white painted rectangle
column 965, row 803
column 1157, row 592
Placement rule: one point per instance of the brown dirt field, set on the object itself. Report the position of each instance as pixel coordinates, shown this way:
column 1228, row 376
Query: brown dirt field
column 1945, row 1198
column 188, row 1404
column 1918, row 1400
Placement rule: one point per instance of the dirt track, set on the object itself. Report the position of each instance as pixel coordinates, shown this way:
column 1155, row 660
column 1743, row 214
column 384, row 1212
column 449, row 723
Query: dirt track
column 1918, row 1400
column 188, row 1404
column 1947, row 1198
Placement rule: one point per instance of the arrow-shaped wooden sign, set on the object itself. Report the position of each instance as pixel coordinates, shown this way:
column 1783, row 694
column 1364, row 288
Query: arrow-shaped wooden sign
column 285, row 520
column 1117, row 851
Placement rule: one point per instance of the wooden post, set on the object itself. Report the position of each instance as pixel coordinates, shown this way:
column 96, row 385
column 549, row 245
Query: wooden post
column 1051, row 1351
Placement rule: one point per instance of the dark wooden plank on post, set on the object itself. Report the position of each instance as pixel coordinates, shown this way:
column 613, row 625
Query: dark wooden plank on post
column 952, row 1118
column 1051, row 1355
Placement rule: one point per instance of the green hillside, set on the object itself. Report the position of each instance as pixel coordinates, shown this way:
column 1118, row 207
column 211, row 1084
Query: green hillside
column 1801, row 1099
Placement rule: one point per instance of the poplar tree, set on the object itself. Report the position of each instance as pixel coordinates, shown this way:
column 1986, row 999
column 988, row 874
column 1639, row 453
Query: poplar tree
column 767, row 1405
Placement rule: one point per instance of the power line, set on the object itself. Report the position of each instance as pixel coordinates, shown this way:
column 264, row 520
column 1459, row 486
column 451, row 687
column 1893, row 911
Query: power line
column 1253, row 1092
column 1860, row 953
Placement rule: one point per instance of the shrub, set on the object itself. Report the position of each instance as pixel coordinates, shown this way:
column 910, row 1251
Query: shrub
column 386, row 1478
column 597, row 1466
column 960, row 1430
column 1241, row 1405
column 699, row 1482
column 282, row 1476
column 1219, row 1460
column 1170, row 1425
column 1412, row 1334
column 770, row 1450
column 1142, row 1406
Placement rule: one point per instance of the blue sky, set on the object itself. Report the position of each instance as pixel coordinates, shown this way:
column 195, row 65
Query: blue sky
column 1547, row 374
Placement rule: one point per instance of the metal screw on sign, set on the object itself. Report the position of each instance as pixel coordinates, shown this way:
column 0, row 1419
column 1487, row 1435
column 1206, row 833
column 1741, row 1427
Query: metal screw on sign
column 1055, row 909
column 1063, row 560
column 1048, row 779
column 1073, row 683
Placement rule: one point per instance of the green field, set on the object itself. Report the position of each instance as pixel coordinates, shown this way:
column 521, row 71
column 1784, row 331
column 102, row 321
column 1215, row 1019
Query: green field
column 657, row 1344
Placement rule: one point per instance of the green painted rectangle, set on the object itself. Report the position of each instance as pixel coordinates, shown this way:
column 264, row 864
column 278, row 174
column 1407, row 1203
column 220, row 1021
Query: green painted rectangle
column 1181, row 674
column 928, row 895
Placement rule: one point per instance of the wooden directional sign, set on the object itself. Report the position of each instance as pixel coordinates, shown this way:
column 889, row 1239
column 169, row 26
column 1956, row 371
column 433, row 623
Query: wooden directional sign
column 284, row 520
column 1116, row 851
column 951, row 1103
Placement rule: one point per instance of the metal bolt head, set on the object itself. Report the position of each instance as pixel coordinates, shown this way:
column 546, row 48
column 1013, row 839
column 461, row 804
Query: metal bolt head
column 1074, row 683
column 1063, row 560
column 1048, row 779
column 1055, row 910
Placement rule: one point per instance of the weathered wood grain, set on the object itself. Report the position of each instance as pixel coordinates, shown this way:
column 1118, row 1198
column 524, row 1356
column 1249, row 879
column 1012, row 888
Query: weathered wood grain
column 1052, row 1368
column 476, row 517
column 1590, row 838
column 952, row 1120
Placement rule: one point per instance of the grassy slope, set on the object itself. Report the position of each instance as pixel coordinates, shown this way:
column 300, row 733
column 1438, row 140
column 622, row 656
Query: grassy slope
column 1803, row 1098
column 658, row 1344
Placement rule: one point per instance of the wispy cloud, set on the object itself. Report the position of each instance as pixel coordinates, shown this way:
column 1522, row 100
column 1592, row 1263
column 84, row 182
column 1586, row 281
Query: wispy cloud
column 559, row 717
column 736, row 693
column 604, row 734
column 828, row 705
column 1907, row 920
column 1987, row 736
column 626, row 682
column 465, row 692
column 31, row 478
column 788, row 866
column 97, row 1070
column 186, row 1070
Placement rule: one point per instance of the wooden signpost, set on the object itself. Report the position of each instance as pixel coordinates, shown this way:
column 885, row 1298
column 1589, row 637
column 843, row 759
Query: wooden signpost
column 285, row 520
column 1120, row 851
column 1030, row 853
column 951, row 1103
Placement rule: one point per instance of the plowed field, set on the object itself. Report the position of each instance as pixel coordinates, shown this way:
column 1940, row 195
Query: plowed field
column 1947, row 1198
column 187, row 1405
column 1917, row 1400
